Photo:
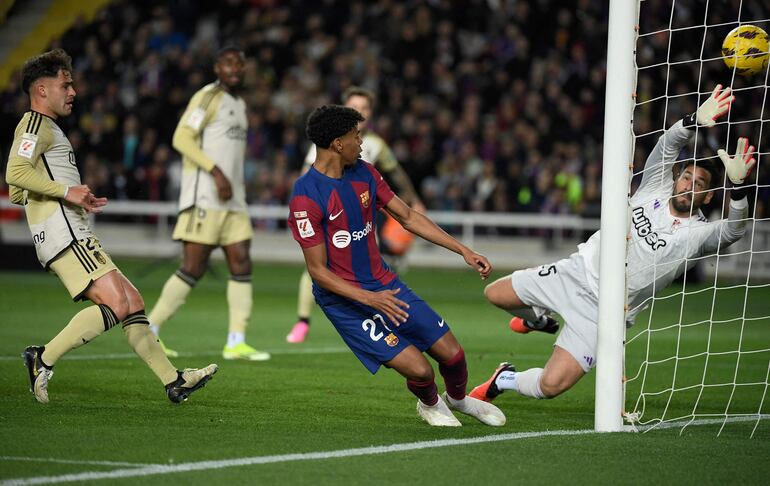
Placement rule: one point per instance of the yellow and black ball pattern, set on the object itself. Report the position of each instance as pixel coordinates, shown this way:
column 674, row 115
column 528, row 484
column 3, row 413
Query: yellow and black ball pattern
column 745, row 49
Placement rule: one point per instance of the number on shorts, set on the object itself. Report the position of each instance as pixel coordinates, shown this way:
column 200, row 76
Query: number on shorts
column 547, row 270
column 370, row 326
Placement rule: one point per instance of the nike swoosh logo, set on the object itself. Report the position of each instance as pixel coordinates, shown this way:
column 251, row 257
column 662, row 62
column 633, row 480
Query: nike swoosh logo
column 441, row 324
column 332, row 217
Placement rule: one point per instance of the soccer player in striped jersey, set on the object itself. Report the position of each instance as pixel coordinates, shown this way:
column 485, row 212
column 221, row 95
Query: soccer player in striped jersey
column 668, row 232
column 377, row 152
column 43, row 177
column 333, row 218
column 211, row 136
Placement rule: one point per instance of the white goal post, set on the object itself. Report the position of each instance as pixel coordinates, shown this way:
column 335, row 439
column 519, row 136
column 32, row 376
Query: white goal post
column 616, row 171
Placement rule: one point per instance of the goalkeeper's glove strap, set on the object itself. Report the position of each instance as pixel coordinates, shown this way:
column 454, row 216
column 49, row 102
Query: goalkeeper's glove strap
column 690, row 121
column 739, row 192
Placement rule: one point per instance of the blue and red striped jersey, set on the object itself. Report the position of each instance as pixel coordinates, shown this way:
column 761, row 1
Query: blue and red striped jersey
column 340, row 213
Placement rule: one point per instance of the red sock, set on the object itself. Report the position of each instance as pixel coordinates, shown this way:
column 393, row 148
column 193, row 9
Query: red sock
column 455, row 373
column 426, row 392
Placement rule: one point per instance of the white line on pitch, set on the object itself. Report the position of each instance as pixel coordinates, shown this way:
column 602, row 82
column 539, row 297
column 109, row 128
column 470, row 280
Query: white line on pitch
column 111, row 356
column 72, row 461
column 308, row 456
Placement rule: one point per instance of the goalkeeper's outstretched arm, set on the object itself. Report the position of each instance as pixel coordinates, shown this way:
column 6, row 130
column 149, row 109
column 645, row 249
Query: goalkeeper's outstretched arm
column 658, row 166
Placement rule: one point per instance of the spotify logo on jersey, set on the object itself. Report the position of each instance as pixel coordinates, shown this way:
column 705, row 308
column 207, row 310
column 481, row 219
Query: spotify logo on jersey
column 341, row 239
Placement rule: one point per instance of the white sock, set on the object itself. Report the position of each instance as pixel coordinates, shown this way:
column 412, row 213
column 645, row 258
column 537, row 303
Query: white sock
column 526, row 383
column 155, row 329
column 235, row 338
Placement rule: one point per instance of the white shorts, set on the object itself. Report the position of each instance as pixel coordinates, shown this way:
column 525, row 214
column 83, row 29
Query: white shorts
column 561, row 287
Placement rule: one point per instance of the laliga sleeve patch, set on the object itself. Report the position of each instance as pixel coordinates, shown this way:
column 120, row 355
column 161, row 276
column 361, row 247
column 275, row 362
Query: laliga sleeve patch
column 305, row 228
column 195, row 118
column 27, row 146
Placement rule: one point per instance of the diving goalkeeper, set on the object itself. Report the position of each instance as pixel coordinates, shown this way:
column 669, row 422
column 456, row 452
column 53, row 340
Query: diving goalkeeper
column 667, row 231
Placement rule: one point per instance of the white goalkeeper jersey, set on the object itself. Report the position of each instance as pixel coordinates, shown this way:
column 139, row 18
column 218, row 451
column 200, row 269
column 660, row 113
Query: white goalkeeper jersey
column 212, row 131
column 662, row 245
column 373, row 150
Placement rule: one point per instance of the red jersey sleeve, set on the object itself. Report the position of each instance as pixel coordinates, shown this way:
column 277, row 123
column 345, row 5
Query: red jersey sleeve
column 384, row 192
column 305, row 218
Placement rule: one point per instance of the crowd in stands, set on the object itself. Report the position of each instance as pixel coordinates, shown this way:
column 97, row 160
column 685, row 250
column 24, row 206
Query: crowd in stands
column 490, row 105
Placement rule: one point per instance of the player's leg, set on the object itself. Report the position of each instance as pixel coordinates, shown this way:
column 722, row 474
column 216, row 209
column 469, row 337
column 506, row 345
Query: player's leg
column 179, row 384
column 195, row 258
column 305, row 301
column 239, row 301
column 77, row 267
column 420, row 380
column 502, row 294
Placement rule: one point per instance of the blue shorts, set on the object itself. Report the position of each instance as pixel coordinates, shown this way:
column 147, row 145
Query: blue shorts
column 371, row 336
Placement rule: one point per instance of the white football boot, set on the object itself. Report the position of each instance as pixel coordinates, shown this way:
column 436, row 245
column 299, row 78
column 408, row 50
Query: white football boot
column 484, row 411
column 438, row 415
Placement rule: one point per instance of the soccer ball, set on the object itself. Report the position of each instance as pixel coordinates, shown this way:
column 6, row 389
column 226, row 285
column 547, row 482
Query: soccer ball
column 745, row 49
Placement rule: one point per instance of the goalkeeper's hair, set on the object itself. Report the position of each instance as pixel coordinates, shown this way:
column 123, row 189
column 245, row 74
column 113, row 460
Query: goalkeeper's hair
column 328, row 122
column 708, row 165
column 46, row 65
column 359, row 91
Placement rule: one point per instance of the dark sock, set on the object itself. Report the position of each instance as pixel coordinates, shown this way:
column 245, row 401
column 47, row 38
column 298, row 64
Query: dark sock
column 426, row 392
column 455, row 373
column 306, row 320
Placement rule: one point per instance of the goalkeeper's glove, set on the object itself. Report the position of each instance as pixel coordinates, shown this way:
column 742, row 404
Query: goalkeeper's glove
column 738, row 168
column 715, row 107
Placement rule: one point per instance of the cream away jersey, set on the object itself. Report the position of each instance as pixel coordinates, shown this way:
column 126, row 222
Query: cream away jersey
column 212, row 131
column 660, row 242
column 40, row 167
column 373, row 150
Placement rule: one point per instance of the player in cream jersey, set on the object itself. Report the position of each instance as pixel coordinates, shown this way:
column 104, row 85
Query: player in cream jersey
column 375, row 151
column 54, row 226
column 667, row 230
column 211, row 136
column 43, row 176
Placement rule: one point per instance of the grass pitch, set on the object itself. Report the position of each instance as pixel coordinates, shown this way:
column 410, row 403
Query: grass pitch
column 312, row 413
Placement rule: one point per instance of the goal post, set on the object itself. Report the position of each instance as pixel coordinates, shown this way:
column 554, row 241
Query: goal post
column 617, row 164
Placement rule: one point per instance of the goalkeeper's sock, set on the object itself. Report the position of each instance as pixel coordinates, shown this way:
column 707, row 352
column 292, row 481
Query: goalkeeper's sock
column 455, row 374
column 173, row 295
column 526, row 383
column 305, row 297
column 427, row 392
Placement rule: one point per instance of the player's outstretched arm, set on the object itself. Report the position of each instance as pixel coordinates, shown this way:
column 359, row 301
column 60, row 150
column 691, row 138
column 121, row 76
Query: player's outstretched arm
column 423, row 227
column 384, row 301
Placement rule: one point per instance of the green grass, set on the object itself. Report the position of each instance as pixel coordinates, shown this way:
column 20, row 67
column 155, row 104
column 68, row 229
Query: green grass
column 317, row 397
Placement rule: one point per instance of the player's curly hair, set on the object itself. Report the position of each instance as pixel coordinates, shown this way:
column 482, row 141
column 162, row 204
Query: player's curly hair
column 46, row 65
column 328, row 122
column 713, row 168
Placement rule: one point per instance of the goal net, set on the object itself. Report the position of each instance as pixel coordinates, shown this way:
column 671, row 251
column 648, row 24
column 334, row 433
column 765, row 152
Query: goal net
column 699, row 352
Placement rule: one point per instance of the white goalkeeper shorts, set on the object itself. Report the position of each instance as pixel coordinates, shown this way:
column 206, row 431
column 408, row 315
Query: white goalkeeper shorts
column 561, row 288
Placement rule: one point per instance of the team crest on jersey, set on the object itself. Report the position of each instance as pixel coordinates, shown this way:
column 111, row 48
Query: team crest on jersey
column 100, row 258
column 364, row 199
column 27, row 146
column 305, row 228
column 391, row 340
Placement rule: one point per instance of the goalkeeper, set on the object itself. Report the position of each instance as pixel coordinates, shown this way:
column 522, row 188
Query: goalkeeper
column 667, row 230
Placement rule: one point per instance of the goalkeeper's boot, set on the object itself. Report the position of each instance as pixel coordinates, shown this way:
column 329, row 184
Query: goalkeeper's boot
column 169, row 352
column 245, row 352
column 298, row 332
column 188, row 381
column 488, row 390
column 543, row 324
column 485, row 412
column 39, row 373
column 437, row 415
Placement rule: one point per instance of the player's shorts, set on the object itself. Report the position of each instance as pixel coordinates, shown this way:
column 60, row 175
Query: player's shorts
column 212, row 227
column 374, row 339
column 80, row 265
column 561, row 287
